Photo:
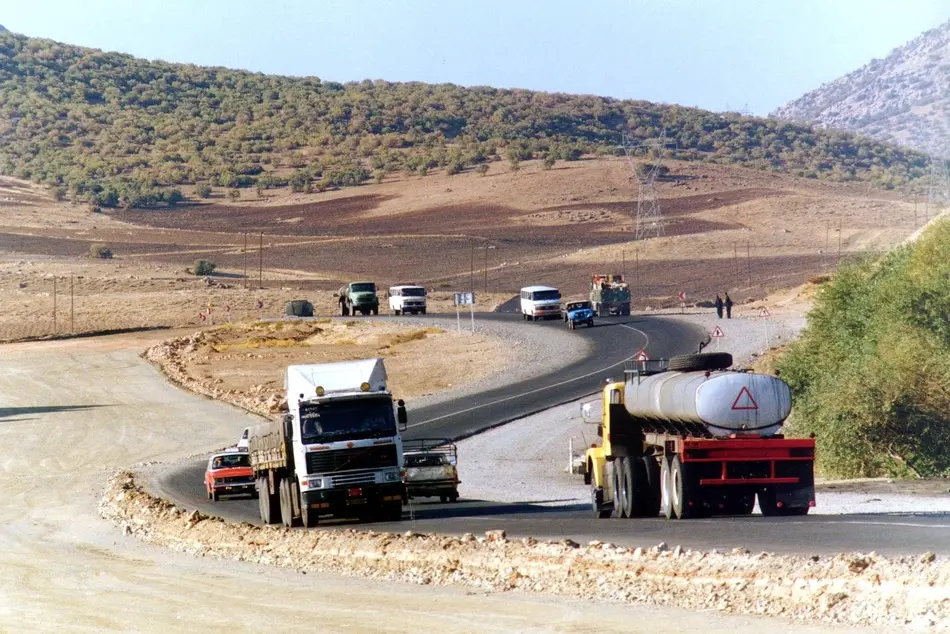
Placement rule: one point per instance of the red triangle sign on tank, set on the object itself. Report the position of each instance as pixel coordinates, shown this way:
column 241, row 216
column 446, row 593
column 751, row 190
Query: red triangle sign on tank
column 744, row 400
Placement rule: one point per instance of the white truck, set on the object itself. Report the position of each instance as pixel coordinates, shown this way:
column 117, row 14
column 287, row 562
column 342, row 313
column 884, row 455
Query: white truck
column 338, row 450
column 407, row 298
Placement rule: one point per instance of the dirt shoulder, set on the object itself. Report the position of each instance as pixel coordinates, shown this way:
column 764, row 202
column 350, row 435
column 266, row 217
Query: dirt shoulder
column 243, row 364
column 854, row 589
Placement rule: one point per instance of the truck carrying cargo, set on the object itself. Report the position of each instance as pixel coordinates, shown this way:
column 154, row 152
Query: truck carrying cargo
column 609, row 295
column 430, row 468
column 689, row 438
column 337, row 452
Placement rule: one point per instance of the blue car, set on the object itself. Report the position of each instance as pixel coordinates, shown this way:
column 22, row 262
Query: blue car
column 576, row 313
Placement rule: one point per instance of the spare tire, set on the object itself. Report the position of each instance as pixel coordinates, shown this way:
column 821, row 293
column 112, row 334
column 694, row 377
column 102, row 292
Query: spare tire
column 299, row 308
column 700, row 362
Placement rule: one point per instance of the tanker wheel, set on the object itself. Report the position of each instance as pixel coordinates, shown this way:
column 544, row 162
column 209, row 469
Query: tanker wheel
column 666, row 483
column 683, row 490
column 599, row 513
column 615, row 484
column 651, row 488
column 632, row 487
column 700, row 362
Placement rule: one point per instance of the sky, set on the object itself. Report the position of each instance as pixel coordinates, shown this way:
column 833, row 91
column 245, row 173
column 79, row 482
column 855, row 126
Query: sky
column 742, row 55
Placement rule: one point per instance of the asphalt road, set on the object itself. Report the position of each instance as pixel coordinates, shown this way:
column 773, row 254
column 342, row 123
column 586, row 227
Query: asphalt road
column 614, row 340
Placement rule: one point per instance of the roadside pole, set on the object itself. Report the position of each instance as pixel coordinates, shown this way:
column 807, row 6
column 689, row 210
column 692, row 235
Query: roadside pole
column 260, row 264
column 72, row 323
column 471, row 308
column 718, row 334
column 54, row 305
column 765, row 314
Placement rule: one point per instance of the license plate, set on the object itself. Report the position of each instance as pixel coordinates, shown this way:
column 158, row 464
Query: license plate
column 353, row 493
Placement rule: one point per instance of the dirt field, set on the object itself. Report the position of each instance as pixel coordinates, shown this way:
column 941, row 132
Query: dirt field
column 243, row 364
column 725, row 228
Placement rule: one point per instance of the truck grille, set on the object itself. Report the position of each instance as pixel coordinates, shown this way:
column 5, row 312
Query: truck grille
column 354, row 478
column 349, row 459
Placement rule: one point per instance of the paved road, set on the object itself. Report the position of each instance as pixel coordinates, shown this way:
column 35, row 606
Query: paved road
column 612, row 342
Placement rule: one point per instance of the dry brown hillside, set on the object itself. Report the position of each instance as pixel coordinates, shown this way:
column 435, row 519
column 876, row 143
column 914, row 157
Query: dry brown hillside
column 725, row 228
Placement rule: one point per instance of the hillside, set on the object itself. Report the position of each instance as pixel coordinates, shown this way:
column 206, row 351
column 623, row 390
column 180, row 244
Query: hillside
column 121, row 131
column 904, row 98
column 870, row 372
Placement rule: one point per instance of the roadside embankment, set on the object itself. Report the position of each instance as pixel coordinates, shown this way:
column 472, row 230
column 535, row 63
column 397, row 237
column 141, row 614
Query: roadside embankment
column 427, row 360
column 855, row 589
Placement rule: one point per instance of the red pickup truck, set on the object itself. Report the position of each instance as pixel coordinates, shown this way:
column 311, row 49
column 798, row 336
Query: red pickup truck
column 229, row 473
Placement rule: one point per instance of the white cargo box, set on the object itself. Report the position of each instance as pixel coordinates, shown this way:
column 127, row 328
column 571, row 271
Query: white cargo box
column 344, row 376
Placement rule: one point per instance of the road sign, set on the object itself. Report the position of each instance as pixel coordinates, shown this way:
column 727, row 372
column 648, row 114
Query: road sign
column 464, row 299
column 744, row 400
column 682, row 296
column 764, row 312
column 642, row 356
column 260, row 304
column 718, row 333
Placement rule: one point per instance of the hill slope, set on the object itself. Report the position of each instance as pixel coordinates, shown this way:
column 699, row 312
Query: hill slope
column 904, row 98
column 111, row 128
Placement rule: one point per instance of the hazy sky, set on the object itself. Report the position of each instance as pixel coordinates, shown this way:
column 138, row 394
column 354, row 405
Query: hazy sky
column 754, row 54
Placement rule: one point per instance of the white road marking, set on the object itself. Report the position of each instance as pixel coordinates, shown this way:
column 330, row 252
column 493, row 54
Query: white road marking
column 540, row 389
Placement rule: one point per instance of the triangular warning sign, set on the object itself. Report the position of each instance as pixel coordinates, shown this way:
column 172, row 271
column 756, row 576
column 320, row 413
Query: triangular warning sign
column 642, row 356
column 744, row 400
column 718, row 332
column 765, row 312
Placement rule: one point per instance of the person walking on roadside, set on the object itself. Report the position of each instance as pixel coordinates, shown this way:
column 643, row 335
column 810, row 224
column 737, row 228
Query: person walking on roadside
column 728, row 305
column 719, row 306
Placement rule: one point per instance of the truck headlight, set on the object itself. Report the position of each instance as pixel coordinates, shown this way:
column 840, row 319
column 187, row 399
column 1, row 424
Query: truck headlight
column 315, row 483
column 391, row 477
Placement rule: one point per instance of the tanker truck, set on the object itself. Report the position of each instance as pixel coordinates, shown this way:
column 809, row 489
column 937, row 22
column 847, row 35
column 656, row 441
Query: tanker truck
column 687, row 437
column 337, row 451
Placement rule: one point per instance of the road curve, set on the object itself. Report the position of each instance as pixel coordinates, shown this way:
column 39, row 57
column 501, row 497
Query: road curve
column 612, row 343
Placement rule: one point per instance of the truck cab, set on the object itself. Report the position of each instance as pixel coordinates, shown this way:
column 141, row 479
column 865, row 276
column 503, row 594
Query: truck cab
column 407, row 299
column 359, row 297
column 338, row 450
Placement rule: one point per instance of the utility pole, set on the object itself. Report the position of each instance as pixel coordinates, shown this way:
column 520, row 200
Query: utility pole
column 245, row 259
column 623, row 266
column 637, row 270
column 486, row 268
column 72, row 323
column 260, row 264
column 735, row 259
column 748, row 259
column 473, row 268
column 54, row 305
column 839, row 244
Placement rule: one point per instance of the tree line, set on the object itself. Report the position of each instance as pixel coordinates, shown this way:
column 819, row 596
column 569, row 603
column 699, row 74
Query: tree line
column 116, row 130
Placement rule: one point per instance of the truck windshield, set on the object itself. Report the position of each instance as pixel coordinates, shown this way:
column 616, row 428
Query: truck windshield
column 545, row 295
column 413, row 292
column 366, row 287
column 349, row 419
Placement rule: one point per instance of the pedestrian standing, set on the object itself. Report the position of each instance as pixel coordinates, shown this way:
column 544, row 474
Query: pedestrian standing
column 719, row 306
column 728, row 304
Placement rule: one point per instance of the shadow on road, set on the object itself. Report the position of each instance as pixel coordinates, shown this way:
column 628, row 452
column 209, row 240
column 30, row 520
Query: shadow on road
column 6, row 412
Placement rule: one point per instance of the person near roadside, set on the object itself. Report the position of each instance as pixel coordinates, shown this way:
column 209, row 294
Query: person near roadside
column 719, row 305
column 728, row 304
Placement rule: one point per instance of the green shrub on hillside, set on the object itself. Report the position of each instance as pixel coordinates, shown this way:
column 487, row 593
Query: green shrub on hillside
column 871, row 373
column 203, row 267
column 115, row 130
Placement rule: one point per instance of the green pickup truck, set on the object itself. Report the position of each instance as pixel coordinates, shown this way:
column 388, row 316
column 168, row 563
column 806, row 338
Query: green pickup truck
column 359, row 297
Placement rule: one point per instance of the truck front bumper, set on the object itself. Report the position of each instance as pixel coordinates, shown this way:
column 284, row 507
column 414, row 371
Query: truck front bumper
column 431, row 488
column 354, row 497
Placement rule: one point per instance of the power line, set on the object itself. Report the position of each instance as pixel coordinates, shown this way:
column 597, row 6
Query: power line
column 649, row 219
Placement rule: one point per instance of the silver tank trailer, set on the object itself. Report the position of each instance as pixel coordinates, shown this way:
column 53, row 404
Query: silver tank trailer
column 722, row 403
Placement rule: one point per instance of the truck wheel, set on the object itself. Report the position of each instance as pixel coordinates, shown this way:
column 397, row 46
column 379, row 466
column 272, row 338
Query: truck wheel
column 590, row 323
column 683, row 490
column 393, row 512
column 651, row 488
column 286, row 503
column 454, row 497
column 395, row 312
column 308, row 517
column 376, row 310
column 443, row 499
column 666, row 484
column 423, row 311
column 633, row 483
column 600, row 513
column 267, row 501
column 215, row 496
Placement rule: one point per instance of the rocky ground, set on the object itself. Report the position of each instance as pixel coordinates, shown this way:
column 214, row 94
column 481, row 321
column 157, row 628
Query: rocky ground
column 855, row 589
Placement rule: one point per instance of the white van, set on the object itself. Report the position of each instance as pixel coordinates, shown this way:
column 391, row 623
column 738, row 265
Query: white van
column 407, row 298
column 540, row 302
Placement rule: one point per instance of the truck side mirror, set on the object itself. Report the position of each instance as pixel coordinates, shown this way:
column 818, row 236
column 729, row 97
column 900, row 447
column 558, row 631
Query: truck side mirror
column 401, row 416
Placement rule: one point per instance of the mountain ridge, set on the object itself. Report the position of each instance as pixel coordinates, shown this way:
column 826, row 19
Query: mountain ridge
column 903, row 98
column 114, row 129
